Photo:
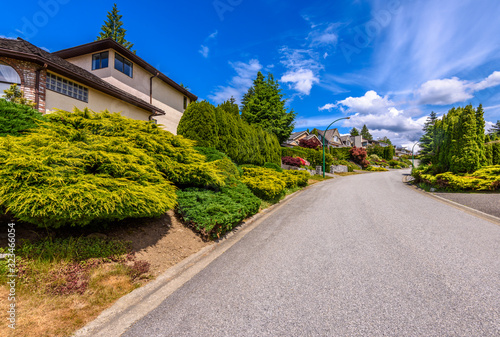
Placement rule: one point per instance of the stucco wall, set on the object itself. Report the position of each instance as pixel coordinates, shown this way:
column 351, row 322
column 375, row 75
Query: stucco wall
column 165, row 97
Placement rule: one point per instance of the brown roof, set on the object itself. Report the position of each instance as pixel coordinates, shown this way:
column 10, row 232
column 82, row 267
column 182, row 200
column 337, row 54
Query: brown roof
column 329, row 135
column 21, row 49
column 96, row 46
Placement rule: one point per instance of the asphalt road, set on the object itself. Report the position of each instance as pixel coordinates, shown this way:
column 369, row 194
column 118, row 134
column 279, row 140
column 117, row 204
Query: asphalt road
column 363, row 255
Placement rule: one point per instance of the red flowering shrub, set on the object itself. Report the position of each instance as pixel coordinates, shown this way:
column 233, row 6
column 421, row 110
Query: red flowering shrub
column 291, row 161
column 358, row 154
column 312, row 143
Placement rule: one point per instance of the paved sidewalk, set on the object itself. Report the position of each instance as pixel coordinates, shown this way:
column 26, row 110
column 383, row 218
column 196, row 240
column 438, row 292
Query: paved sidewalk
column 488, row 203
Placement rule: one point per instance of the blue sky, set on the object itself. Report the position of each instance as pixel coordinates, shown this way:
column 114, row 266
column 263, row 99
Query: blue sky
column 387, row 64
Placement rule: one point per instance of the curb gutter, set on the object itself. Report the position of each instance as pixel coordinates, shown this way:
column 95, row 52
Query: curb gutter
column 467, row 209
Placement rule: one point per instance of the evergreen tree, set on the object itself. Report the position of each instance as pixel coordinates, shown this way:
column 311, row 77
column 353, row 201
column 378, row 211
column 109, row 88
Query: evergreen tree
column 112, row 28
column 480, row 134
column 231, row 107
column 199, row 123
column 366, row 133
column 264, row 105
column 354, row 132
column 465, row 154
column 426, row 142
column 385, row 140
column 16, row 95
column 495, row 129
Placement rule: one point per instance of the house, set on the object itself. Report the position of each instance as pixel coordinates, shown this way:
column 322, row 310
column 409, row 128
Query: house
column 350, row 141
column 99, row 75
column 376, row 142
column 296, row 137
column 401, row 151
column 332, row 138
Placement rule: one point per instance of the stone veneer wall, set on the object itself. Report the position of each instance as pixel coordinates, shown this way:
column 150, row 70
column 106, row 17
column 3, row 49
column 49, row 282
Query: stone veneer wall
column 27, row 73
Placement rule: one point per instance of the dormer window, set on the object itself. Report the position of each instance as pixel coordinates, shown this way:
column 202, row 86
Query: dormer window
column 100, row 60
column 123, row 65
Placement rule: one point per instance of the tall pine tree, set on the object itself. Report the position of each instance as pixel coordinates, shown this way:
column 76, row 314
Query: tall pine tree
column 112, row 28
column 354, row 132
column 366, row 133
column 264, row 105
column 426, row 142
column 480, row 134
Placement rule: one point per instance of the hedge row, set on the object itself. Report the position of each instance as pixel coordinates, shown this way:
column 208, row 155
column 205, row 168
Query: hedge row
column 484, row 179
column 228, row 133
column 315, row 157
column 16, row 119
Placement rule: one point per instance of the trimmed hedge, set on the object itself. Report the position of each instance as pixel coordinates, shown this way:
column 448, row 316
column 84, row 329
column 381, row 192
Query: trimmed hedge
column 228, row 133
column 215, row 213
column 341, row 153
column 485, row 179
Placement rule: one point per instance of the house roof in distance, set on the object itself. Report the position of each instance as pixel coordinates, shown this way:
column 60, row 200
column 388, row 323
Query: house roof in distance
column 23, row 50
column 96, row 46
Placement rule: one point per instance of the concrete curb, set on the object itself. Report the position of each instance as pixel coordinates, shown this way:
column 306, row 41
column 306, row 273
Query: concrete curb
column 130, row 308
column 467, row 209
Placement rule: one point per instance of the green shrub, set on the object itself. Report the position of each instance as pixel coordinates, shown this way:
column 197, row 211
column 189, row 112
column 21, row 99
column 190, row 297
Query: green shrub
column 341, row 153
column 265, row 183
column 16, row 119
column 376, row 169
column 273, row 166
column 214, row 213
column 485, row 179
column 83, row 167
column 301, row 178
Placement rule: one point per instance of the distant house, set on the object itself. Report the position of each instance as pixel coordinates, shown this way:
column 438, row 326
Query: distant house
column 99, row 75
column 332, row 138
column 350, row 141
column 400, row 151
column 295, row 138
column 375, row 142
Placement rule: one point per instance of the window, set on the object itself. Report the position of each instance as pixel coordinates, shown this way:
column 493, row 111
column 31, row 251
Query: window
column 185, row 102
column 66, row 87
column 100, row 60
column 8, row 76
column 123, row 65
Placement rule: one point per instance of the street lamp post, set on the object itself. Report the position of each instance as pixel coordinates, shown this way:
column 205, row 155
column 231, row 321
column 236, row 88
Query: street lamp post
column 324, row 133
column 412, row 158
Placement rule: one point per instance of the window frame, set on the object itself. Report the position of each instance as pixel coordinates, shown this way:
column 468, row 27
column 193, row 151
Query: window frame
column 124, row 62
column 66, row 87
column 100, row 60
column 185, row 104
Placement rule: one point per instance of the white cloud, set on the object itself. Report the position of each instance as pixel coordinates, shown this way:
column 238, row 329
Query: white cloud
column 370, row 103
column 328, row 107
column 491, row 81
column 204, row 51
column 323, row 37
column 213, row 35
column 302, row 79
column 444, row 92
column 453, row 90
column 303, row 68
column 239, row 84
